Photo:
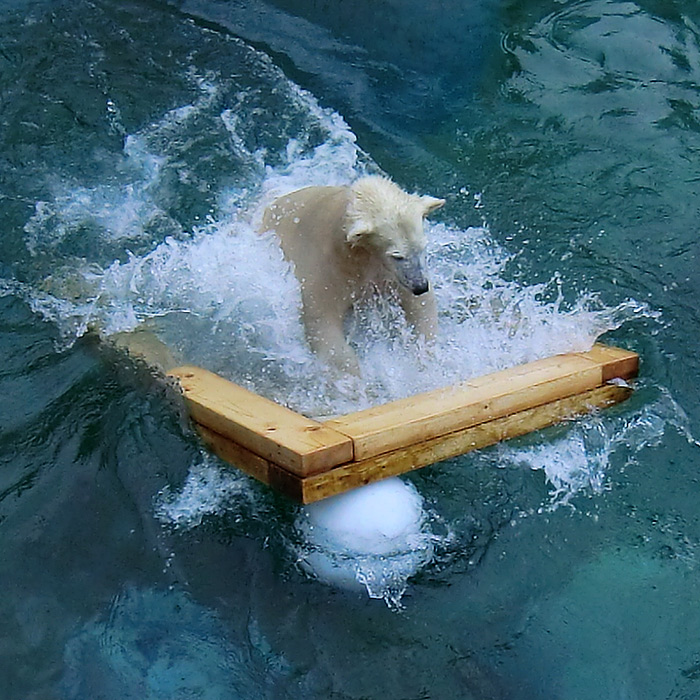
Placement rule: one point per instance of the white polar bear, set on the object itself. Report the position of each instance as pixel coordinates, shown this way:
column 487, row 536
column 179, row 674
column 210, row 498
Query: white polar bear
column 345, row 242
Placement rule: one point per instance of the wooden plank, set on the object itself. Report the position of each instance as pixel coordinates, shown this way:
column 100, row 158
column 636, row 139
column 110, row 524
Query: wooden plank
column 261, row 469
column 616, row 362
column 308, row 460
column 423, row 417
column 231, row 452
column 360, row 473
column 299, row 444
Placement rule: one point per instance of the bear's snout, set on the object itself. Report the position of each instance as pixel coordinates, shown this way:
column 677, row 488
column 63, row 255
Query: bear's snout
column 421, row 288
column 410, row 272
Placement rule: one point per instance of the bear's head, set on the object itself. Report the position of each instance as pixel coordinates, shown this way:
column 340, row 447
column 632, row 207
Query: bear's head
column 389, row 221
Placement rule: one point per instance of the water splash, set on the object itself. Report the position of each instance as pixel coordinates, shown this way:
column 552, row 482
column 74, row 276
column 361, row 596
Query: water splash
column 222, row 296
column 122, row 212
column 208, row 490
column 579, row 461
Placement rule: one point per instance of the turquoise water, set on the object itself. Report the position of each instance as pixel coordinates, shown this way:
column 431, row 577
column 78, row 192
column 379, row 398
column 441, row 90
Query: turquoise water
column 140, row 142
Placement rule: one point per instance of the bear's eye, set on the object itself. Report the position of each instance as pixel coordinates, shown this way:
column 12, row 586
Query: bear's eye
column 397, row 256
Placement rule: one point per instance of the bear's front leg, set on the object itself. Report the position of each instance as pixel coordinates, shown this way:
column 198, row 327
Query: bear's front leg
column 326, row 337
column 420, row 312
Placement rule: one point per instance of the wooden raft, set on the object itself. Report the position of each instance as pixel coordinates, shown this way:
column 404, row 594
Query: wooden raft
column 309, row 460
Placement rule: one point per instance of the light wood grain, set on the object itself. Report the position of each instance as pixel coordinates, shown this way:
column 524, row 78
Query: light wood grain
column 615, row 362
column 425, row 416
column 291, row 485
column 299, row 444
column 233, row 453
column 443, row 447
column 350, row 476
column 308, row 461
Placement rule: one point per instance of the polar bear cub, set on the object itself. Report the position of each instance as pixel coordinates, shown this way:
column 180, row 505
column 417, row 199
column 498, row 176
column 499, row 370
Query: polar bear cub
column 346, row 242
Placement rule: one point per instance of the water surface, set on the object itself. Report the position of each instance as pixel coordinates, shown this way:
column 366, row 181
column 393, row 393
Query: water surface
column 140, row 142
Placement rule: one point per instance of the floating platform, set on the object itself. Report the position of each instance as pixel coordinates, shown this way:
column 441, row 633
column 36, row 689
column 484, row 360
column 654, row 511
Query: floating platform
column 309, row 460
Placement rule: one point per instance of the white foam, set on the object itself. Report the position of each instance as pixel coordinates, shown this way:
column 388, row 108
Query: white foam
column 208, row 490
column 578, row 462
column 120, row 209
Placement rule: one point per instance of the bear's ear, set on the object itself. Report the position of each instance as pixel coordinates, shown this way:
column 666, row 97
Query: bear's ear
column 358, row 229
column 430, row 204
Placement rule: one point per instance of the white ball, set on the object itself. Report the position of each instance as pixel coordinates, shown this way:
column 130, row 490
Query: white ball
column 373, row 537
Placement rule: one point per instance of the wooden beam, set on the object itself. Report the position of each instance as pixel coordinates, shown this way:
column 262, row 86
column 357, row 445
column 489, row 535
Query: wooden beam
column 299, row 444
column 616, row 363
column 356, row 474
column 400, row 461
column 254, row 465
column 417, row 419
column 308, row 460
column 291, row 485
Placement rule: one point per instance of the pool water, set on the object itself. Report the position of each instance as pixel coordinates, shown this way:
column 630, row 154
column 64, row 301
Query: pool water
column 141, row 142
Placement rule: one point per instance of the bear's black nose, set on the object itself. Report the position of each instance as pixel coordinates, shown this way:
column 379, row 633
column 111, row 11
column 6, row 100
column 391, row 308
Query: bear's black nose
column 421, row 288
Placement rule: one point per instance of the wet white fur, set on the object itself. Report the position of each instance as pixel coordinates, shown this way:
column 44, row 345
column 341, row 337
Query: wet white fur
column 347, row 242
